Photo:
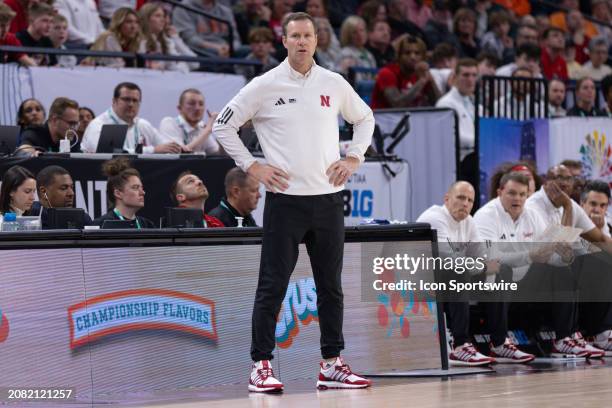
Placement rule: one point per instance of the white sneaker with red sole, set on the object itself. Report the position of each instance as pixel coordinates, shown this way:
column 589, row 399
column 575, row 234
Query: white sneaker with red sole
column 568, row 348
column 603, row 341
column 339, row 375
column 262, row 378
column 594, row 352
column 468, row 356
column 509, row 353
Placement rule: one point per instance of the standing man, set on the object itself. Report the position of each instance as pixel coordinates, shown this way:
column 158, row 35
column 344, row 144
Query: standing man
column 294, row 109
column 461, row 99
column 556, row 98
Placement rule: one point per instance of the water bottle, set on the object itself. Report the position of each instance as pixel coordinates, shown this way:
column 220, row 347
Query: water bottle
column 239, row 221
column 10, row 222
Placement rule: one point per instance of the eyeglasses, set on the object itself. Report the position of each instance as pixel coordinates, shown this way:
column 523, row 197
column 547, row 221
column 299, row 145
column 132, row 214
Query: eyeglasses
column 129, row 100
column 71, row 124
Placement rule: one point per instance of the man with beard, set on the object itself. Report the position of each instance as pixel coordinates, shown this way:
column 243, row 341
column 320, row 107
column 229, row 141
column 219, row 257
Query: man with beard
column 189, row 191
column 55, row 190
column 553, row 204
column 408, row 81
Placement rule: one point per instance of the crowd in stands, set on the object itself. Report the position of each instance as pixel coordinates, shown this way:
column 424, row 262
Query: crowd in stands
column 355, row 33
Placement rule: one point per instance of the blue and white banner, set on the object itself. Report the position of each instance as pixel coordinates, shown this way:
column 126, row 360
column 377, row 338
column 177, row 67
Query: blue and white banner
column 141, row 309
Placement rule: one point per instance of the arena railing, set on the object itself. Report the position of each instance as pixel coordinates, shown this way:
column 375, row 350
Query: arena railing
column 512, row 98
column 139, row 58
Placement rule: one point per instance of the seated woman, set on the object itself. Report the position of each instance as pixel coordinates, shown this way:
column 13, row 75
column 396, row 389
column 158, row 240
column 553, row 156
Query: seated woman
column 86, row 115
column 328, row 46
column 18, row 191
column 125, row 194
column 353, row 37
column 154, row 23
column 30, row 113
column 123, row 35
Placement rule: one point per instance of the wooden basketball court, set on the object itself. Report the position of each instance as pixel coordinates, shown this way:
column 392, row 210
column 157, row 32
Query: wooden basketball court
column 542, row 384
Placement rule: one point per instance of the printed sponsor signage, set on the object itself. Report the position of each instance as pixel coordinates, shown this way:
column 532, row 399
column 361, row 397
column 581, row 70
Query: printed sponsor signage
column 141, row 309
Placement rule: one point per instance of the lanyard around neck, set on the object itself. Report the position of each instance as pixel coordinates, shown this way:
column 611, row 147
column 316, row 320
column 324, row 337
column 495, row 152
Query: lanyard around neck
column 186, row 138
column 122, row 218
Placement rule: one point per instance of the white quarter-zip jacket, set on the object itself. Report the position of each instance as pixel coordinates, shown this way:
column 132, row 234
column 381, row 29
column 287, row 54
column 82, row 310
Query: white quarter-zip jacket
column 295, row 118
column 496, row 226
column 541, row 204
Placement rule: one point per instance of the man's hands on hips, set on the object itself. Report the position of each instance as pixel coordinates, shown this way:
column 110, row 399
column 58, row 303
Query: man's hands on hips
column 272, row 177
column 340, row 171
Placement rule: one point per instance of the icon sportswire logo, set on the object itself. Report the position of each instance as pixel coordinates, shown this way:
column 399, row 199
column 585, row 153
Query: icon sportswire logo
column 141, row 309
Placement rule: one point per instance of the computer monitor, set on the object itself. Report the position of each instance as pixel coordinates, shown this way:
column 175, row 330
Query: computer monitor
column 65, row 218
column 112, row 138
column 8, row 139
column 184, row 217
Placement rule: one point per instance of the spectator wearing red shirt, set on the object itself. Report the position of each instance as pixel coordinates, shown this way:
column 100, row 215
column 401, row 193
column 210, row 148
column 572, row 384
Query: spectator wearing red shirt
column 188, row 191
column 577, row 35
column 407, row 82
column 553, row 63
column 7, row 38
column 20, row 7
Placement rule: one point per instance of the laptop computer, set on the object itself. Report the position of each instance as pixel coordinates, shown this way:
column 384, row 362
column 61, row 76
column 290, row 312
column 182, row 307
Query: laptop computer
column 112, row 138
column 8, row 139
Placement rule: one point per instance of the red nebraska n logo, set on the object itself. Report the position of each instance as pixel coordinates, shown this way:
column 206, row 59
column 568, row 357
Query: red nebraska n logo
column 325, row 100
